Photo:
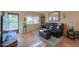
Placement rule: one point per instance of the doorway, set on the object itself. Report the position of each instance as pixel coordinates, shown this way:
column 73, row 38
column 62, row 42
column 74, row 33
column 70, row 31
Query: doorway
column 10, row 28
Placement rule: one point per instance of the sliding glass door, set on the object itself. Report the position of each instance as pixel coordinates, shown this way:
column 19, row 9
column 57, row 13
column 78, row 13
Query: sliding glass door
column 10, row 22
column 10, row 28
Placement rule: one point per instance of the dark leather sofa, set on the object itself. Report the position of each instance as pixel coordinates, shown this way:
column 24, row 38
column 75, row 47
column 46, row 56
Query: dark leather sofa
column 55, row 29
column 44, row 34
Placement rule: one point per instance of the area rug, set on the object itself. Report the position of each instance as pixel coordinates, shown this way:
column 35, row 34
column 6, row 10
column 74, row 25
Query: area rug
column 53, row 41
column 39, row 44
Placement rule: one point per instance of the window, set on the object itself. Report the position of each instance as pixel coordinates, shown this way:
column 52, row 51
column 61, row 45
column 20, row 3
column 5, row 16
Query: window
column 32, row 20
column 29, row 20
column 36, row 20
column 54, row 16
column 10, row 22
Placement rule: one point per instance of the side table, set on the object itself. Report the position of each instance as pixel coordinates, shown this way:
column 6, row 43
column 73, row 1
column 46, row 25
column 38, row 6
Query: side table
column 72, row 34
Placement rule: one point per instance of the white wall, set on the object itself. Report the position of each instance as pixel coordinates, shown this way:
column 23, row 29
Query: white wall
column 70, row 17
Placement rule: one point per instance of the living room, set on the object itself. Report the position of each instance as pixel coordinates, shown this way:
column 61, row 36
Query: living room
column 30, row 23
column 39, row 29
